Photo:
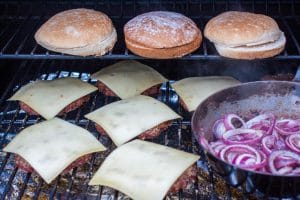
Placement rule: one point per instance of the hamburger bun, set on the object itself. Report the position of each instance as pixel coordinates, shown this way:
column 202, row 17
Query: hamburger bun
column 162, row 35
column 80, row 32
column 244, row 35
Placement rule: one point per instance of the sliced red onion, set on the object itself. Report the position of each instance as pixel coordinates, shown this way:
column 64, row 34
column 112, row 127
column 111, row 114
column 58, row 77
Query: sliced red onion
column 242, row 136
column 285, row 170
column 293, row 142
column 296, row 171
column 261, row 144
column 288, row 126
column 279, row 155
column 242, row 155
column 263, row 122
column 216, row 147
column 268, row 143
column 219, row 128
column 284, row 162
column 228, row 119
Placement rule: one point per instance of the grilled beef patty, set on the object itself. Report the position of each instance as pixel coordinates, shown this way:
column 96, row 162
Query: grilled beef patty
column 148, row 134
column 188, row 176
column 25, row 166
column 153, row 91
column 72, row 106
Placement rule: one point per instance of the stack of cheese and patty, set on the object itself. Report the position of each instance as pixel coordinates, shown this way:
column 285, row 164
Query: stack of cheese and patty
column 49, row 98
column 127, row 79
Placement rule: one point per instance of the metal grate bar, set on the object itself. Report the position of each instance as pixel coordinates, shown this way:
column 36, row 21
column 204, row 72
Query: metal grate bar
column 22, row 190
column 14, row 35
column 30, row 33
column 3, row 164
column 38, row 189
column 9, row 183
column 292, row 35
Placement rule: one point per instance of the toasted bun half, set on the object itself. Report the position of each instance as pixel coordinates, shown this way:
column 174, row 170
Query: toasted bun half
column 245, row 35
column 252, row 52
column 80, row 32
column 234, row 28
column 162, row 34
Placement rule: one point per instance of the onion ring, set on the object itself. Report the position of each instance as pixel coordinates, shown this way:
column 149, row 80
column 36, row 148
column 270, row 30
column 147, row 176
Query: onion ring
column 287, row 126
column 242, row 136
column 293, row 142
column 283, row 154
column 228, row 121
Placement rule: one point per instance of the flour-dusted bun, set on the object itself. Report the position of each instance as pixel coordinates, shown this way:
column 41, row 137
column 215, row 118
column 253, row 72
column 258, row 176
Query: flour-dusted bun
column 80, row 31
column 162, row 34
column 244, row 35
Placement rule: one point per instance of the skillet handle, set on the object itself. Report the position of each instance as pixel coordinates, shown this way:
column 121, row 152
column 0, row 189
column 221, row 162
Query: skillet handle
column 297, row 76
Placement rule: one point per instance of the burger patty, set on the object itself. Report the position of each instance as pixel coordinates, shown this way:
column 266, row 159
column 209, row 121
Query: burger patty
column 148, row 134
column 152, row 91
column 25, row 166
column 72, row 106
column 181, row 102
column 188, row 176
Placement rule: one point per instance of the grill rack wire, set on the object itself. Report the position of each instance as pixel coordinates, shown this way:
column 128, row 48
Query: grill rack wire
column 20, row 19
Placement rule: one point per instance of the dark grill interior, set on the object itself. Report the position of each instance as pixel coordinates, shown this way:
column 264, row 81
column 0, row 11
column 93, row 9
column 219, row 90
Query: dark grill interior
column 22, row 60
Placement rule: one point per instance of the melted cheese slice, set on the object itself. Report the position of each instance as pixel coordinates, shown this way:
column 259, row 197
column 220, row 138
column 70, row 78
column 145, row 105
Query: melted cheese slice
column 129, row 78
column 124, row 120
column 143, row 170
column 194, row 90
column 48, row 98
column 51, row 146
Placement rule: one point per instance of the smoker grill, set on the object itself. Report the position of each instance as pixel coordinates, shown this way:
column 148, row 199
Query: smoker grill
column 22, row 60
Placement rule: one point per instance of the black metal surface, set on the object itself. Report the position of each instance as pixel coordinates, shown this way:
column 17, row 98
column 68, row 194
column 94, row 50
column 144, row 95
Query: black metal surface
column 19, row 20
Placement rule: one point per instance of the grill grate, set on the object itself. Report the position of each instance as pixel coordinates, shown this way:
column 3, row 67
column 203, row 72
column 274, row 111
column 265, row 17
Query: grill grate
column 16, row 184
column 19, row 20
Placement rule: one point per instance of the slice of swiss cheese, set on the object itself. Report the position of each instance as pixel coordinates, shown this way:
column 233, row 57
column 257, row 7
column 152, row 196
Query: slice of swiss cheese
column 194, row 90
column 143, row 170
column 51, row 146
column 48, row 98
column 129, row 78
column 125, row 119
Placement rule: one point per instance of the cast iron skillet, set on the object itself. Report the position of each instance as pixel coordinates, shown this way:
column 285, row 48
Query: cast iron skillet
column 282, row 98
